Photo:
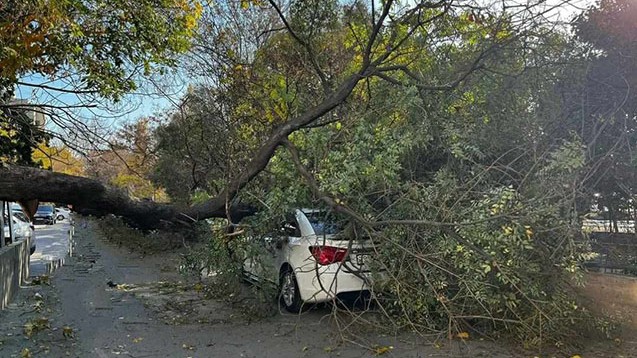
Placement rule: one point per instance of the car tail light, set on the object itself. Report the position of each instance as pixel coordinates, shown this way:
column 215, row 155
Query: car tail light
column 326, row 255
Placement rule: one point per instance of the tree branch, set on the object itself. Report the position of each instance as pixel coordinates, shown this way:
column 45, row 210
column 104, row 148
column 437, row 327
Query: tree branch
column 337, row 206
column 324, row 81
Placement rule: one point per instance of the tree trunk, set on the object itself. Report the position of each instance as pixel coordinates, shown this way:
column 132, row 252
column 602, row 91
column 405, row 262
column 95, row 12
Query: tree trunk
column 92, row 197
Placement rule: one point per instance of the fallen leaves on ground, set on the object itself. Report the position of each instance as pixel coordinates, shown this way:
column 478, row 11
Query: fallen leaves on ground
column 35, row 326
column 67, row 332
column 125, row 287
column 38, row 305
column 380, row 350
column 463, row 335
column 41, row 280
column 188, row 347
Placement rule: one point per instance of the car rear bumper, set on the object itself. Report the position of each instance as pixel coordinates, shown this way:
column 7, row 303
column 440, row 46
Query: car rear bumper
column 325, row 283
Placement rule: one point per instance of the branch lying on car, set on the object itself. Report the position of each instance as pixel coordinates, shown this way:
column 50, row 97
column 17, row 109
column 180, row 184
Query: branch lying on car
column 339, row 207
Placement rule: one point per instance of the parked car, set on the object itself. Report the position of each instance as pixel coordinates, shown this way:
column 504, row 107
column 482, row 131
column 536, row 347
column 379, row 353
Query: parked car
column 62, row 213
column 21, row 215
column 22, row 229
column 45, row 214
column 311, row 260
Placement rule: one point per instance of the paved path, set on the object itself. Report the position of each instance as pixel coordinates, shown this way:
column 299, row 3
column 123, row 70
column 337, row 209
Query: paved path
column 51, row 247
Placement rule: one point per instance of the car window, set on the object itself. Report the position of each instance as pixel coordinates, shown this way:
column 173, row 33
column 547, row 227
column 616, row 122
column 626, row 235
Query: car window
column 21, row 216
column 325, row 223
column 45, row 209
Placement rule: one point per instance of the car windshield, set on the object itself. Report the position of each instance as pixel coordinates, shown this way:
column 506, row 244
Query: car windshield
column 325, row 223
column 45, row 209
column 20, row 216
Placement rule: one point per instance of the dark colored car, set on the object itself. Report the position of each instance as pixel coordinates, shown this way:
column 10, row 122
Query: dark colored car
column 45, row 215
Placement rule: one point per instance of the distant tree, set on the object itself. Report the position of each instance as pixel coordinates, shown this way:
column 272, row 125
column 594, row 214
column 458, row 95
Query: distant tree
column 19, row 135
column 78, row 55
column 58, row 159
column 603, row 106
column 128, row 163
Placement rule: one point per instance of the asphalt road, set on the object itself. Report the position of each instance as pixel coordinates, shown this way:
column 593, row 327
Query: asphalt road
column 52, row 247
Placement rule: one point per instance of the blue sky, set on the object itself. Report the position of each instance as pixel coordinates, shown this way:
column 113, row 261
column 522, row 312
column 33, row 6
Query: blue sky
column 145, row 102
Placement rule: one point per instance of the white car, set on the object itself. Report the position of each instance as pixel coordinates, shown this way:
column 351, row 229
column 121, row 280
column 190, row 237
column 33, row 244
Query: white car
column 62, row 213
column 22, row 229
column 311, row 261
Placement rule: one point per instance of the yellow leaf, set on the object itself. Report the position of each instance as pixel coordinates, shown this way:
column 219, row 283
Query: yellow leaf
column 25, row 353
column 576, row 356
column 138, row 339
column 67, row 332
column 463, row 335
column 382, row 350
column 28, row 330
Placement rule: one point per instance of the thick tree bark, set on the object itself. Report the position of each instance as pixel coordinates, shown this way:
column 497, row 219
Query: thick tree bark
column 92, row 197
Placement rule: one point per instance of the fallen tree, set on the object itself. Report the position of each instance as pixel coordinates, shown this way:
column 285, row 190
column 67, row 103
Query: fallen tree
column 90, row 196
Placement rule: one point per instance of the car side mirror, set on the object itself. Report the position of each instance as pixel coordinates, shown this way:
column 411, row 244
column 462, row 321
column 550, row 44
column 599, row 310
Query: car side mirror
column 288, row 229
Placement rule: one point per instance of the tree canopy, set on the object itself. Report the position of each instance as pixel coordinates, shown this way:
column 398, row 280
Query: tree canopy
column 103, row 45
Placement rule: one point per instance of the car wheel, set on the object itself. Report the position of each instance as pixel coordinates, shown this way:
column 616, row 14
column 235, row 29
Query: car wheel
column 289, row 295
column 60, row 217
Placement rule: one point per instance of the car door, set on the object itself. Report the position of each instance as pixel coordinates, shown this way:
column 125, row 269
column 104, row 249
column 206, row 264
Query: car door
column 259, row 262
column 266, row 254
column 288, row 241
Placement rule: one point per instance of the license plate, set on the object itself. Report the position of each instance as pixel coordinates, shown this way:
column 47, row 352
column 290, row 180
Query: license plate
column 362, row 259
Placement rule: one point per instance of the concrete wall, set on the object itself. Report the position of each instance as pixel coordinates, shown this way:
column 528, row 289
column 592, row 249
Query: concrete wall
column 14, row 269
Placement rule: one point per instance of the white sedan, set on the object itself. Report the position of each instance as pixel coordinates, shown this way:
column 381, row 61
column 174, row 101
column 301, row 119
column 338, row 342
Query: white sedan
column 310, row 261
column 62, row 213
column 22, row 229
